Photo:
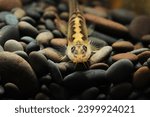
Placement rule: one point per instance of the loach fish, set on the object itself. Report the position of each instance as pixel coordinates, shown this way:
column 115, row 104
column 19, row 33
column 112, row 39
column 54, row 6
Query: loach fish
column 79, row 47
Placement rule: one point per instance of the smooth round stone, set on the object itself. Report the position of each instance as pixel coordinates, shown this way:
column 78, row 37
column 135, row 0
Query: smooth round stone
column 130, row 56
column 1, row 49
column 49, row 15
column 62, row 7
column 27, row 29
column 122, row 15
column 50, row 24
column 99, row 66
column 123, row 46
column 9, row 4
column 50, row 8
column 3, row 14
column 97, row 42
column 55, row 72
column 144, row 56
column 39, row 63
column 146, row 39
column 11, row 20
column 110, row 40
column 12, row 91
column 52, row 54
column 58, row 42
column 138, row 45
column 90, row 94
column 58, row 91
column 19, row 12
column 27, row 39
column 141, row 78
column 139, row 51
column 101, row 97
column 29, row 20
column 44, row 38
column 64, row 16
column 57, row 34
column 121, row 91
column 47, row 79
column 8, row 32
column 22, row 54
column 41, row 96
column 110, row 27
column 44, row 89
column 2, row 91
column 13, row 45
column 136, row 27
column 101, row 54
column 32, row 46
column 83, row 79
column 120, row 71
column 15, row 69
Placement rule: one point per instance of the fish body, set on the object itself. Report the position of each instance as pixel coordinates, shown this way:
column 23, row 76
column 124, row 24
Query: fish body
column 78, row 48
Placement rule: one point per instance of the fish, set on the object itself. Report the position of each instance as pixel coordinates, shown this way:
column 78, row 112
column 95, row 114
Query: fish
column 78, row 48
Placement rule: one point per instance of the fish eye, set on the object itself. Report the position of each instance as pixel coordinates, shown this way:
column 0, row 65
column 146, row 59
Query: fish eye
column 73, row 49
column 84, row 48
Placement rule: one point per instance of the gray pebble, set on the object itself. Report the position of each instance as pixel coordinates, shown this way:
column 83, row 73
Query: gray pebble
column 11, row 19
column 120, row 71
column 50, row 24
column 32, row 46
column 29, row 20
column 13, row 45
column 27, row 39
column 22, row 54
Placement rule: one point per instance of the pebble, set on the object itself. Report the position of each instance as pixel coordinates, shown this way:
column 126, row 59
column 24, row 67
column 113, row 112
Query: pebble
column 47, row 79
column 8, row 32
column 52, row 54
column 138, row 45
column 3, row 14
column 1, row 49
column 27, row 29
column 90, row 94
column 57, row 42
column 27, row 39
column 11, row 20
column 148, row 62
column 49, row 15
column 57, row 34
column 110, row 26
column 101, row 97
column 122, row 16
column 15, row 69
column 136, row 27
column 12, row 91
column 120, row 71
column 50, row 24
column 22, row 54
column 64, row 16
column 39, row 63
column 130, row 56
column 19, row 12
column 141, row 78
column 29, row 20
column 80, row 80
column 143, row 56
column 146, row 39
column 122, row 46
column 8, row 5
column 41, row 96
column 103, row 66
column 101, row 55
column 62, row 7
column 139, row 51
column 32, row 46
column 44, row 37
column 58, row 91
column 121, row 91
column 55, row 72
column 12, row 46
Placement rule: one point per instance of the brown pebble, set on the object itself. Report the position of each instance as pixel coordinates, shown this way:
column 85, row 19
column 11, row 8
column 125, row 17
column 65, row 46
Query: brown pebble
column 128, row 55
column 52, row 54
column 123, row 46
column 138, row 45
column 44, row 38
column 19, row 12
column 103, row 66
column 144, row 56
column 140, row 26
column 110, row 26
column 146, row 39
column 141, row 77
column 58, row 42
column 51, row 8
column 9, row 4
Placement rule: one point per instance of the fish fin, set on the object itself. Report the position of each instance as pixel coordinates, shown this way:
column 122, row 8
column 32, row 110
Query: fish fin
column 61, row 25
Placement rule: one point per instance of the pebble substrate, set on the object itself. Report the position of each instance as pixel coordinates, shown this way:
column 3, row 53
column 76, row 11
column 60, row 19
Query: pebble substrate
column 32, row 44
